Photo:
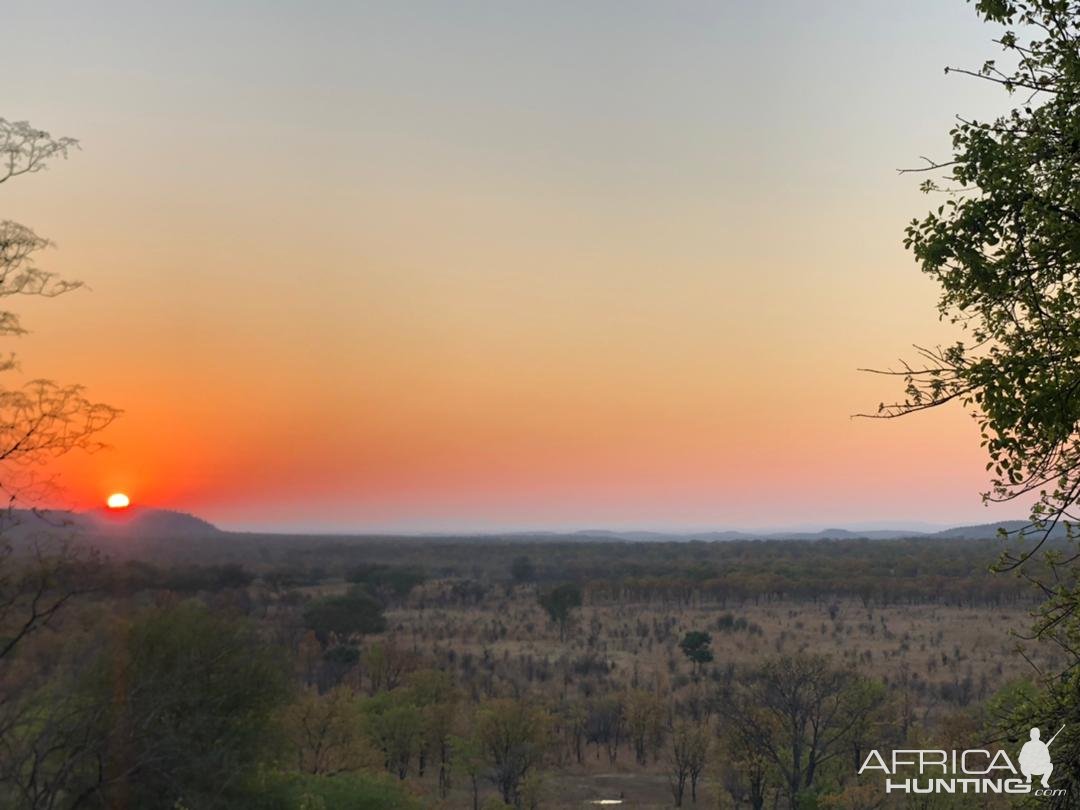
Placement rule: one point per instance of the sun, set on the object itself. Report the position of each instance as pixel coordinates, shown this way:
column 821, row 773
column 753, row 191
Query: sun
column 118, row 500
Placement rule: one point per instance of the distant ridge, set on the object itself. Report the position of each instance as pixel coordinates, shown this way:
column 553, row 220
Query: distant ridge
column 975, row 532
column 992, row 529
column 136, row 521
column 150, row 524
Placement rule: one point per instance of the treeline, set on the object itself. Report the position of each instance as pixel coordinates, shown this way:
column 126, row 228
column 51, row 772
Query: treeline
column 740, row 587
column 726, row 574
column 881, row 572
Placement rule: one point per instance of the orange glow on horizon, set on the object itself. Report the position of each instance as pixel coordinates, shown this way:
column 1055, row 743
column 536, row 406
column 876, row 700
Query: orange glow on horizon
column 578, row 312
column 118, row 500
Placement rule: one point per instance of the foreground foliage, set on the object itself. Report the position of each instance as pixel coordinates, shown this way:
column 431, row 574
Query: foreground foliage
column 1004, row 248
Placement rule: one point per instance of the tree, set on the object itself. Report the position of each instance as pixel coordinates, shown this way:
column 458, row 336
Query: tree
column 194, row 696
column 54, row 731
column 434, row 693
column 41, row 419
column 513, row 736
column 800, row 713
column 353, row 614
column 644, row 723
column 36, row 585
column 396, row 727
column 325, row 733
column 468, row 757
column 48, row 737
column 572, row 718
column 522, row 569
column 1003, row 248
column 695, row 646
column 387, row 581
column 558, row 604
column 689, row 752
column 745, row 767
column 604, row 719
column 387, row 665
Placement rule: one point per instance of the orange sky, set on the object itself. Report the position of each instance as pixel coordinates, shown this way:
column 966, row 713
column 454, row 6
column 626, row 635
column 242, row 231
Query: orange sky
column 369, row 268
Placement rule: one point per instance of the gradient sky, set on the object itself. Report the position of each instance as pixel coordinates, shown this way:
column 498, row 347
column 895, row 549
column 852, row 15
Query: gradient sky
column 485, row 265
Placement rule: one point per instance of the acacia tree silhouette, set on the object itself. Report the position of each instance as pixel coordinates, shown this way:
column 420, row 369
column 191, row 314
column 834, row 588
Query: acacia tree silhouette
column 41, row 743
column 40, row 419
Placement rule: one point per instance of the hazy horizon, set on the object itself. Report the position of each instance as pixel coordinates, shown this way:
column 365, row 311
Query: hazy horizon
column 444, row 527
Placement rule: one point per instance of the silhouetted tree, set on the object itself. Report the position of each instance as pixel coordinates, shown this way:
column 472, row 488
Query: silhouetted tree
column 352, row 614
column 695, row 646
column 42, row 418
column 38, row 420
column 1003, row 249
column 387, row 580
column 559, row 602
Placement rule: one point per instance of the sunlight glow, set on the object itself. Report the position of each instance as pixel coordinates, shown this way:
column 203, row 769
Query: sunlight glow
column 118, row 500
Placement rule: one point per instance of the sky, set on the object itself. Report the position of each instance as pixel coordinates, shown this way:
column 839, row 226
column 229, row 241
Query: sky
column 496, row 265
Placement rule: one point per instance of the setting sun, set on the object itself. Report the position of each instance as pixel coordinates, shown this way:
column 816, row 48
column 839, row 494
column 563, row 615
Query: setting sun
column 118, row 500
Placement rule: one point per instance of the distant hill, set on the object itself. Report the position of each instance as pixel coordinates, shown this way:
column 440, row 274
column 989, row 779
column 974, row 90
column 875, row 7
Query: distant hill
column 991, row 530
column 147, row 522
column 137, row 522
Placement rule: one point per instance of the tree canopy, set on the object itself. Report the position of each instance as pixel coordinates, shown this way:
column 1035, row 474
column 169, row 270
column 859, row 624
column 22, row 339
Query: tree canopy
column 696, row 646
column 559, row 602
column 1004, row 248
column 351, row 614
